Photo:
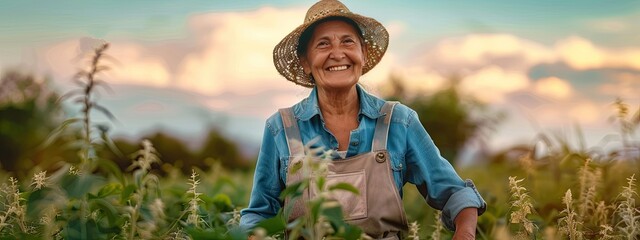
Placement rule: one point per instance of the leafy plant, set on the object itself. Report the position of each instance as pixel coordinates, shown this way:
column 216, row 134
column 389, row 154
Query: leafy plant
column 629, row 223
column 523, row 207
column 323, row 215
column 570, row 224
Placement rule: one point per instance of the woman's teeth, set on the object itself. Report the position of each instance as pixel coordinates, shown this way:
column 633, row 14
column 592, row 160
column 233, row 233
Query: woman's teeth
column 338, row 68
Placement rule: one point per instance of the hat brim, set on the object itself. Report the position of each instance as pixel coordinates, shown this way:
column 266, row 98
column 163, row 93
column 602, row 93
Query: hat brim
column 285, row 57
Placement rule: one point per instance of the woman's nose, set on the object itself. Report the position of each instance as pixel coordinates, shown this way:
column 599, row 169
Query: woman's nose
column 337, row 53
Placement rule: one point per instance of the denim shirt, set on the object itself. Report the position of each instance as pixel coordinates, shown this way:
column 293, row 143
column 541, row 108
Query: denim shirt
column 414, row 158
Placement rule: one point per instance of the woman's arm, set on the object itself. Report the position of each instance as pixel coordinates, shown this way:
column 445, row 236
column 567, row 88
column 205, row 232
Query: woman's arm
column 435, row 178
column 264, row 201
column 466, row 222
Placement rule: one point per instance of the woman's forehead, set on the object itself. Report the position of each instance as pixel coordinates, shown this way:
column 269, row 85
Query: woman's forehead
column 334, row 27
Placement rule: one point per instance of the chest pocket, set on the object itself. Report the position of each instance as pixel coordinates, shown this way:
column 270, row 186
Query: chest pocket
column 354, row 206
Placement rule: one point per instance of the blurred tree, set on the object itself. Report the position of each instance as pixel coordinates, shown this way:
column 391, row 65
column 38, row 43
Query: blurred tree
column 451, row 118
column 221, row 149
column 175, row 151
column 28, row 113
column 127, row 148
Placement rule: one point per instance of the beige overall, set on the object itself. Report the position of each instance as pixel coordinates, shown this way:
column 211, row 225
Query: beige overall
column 378, row 209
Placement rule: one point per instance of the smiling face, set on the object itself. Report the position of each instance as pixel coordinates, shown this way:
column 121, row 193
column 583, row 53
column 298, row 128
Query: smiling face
column 334, row 56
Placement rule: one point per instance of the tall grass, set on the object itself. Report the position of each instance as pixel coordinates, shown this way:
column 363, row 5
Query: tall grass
column 629, row 223
column 522, row 209
column 570, row 226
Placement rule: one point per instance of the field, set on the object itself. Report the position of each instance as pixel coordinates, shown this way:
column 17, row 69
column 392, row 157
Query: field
column 549, row 198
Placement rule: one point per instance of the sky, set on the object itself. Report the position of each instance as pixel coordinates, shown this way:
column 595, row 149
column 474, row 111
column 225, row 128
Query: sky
column 186, row 66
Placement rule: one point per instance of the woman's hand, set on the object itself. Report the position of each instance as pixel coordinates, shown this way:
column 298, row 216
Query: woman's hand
column 466, row 222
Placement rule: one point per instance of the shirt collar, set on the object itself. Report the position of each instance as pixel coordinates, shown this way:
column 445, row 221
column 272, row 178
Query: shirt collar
column 369, row 105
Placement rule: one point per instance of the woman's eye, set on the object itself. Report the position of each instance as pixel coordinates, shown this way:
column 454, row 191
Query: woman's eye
column 348, row 40
column 322, row 44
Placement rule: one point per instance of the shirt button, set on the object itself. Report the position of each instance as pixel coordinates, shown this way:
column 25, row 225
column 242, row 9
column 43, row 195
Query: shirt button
column 354, row 143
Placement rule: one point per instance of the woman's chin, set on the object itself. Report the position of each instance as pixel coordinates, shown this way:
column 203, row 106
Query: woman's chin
column 337, row 83
column 338, row 86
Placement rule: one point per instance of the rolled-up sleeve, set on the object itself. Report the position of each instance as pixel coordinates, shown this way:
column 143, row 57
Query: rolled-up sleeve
column 264, row 202
column 435, row 178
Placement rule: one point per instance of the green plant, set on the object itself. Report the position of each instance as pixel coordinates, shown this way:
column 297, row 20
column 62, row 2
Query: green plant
column 323, row 216
column 523, row 207
column 569, row 225
column 143, row 194
column 629, row 223
column 413, row 231
column 437, row 226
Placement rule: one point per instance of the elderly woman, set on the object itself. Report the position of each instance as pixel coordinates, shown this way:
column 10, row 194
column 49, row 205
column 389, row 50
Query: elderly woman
column 379, row 146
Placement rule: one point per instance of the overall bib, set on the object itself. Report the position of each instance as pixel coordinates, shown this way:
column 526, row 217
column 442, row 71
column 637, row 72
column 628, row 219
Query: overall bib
column 378, row 209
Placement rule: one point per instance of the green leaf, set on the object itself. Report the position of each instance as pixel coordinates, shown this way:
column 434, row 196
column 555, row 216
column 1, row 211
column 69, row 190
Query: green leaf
column 78, row 186
column 273, row 225
column 212, row 234
column 222, row 202
column 293, row 190
column 126, row 192
column 112, row 168
column 295, row 167
column 109, row 189
column 344, row 186
column 107, row 209
column 237, row 233
column 350, row 232
column 38, row 200
column 316, row 207
column 56, row 132
column 320, row 183
column 333, row 214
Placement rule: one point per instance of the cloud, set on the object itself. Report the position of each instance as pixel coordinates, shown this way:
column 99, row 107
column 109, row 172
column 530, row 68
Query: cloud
column 479, row 50
column 582, row 54
column 623, row 85
column 226, row 53
column 586, row 112
column 492, row 65
column 614, row 24
column 566, row 113
column 261, row 104
column 470, row 53
column 395, row 29
column 131, row 65
column 553, row 87
column 415, row 80
column 136, row 68
column 235, row 50
column 493, row 83
column 609, row 25
column 62, row 59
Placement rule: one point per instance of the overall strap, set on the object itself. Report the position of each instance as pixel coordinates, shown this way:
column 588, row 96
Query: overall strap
column 382, row 127
column 292, row 132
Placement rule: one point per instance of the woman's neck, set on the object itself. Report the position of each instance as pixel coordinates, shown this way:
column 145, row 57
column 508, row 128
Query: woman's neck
column 339, row 102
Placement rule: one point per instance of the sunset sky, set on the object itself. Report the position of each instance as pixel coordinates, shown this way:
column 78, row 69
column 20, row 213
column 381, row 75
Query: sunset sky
column 183, row 66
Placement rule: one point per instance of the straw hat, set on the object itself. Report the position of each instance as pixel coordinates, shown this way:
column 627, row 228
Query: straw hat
column 285, row 57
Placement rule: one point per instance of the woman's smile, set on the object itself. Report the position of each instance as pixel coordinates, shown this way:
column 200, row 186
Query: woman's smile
column 337, row 68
